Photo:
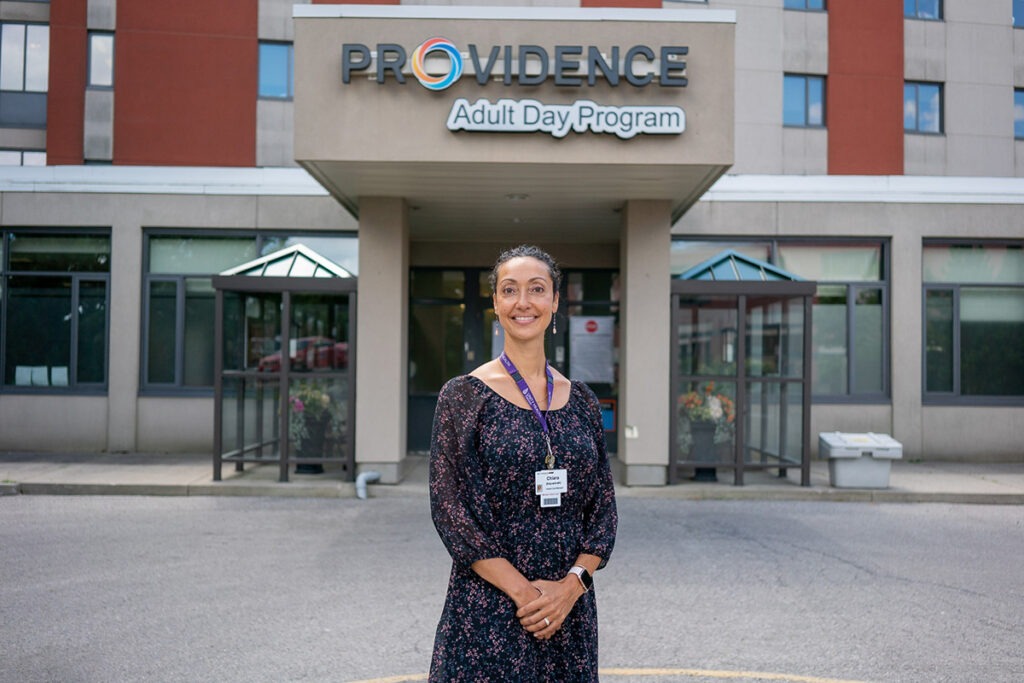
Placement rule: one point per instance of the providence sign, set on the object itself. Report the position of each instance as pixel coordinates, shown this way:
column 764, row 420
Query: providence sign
column 638, row 66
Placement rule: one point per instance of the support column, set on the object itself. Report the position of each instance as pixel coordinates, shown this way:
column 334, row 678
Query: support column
column 645, row 346
column 125, row 304
column 382, row 337
column 905, row 321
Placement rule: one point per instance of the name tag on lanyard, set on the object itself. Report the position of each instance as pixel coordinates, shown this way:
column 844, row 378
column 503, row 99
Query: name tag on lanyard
column 550, row 485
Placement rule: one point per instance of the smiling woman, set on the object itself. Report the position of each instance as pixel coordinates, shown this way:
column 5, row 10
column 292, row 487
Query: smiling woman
column 522, row 496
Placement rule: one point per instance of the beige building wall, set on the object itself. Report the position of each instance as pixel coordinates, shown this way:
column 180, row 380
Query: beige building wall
column 122, row 419
column 905, row 212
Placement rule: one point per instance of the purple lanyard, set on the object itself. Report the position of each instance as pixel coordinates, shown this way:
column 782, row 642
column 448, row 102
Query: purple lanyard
column 517, row 377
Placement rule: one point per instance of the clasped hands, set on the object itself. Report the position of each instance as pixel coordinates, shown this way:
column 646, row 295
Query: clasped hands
column 544, row 614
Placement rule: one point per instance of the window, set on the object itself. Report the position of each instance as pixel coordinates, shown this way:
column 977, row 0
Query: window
column 276, row 71
column 22, row 157
column 804, row 4
column 1018, row 113
column 973, row 322
column 101, row 60
column 803, row 101
column 850, row 347
column 922, row 107
column 55, row 301
column 24, row 57
column 922, row 9
column 1018, row 13
column 178, row 323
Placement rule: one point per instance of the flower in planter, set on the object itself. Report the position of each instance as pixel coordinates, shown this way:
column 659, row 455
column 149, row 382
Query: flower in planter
column 706, row 406
column 312, row 413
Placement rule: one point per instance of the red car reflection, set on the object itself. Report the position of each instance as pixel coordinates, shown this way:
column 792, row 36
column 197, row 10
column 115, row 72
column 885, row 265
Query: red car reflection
column 311, row 353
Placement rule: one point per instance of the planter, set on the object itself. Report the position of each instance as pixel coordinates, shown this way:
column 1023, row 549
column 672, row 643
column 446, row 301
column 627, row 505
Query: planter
column 703, row 435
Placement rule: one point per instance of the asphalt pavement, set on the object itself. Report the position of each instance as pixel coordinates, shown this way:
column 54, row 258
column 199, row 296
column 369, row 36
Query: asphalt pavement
column 192, row 475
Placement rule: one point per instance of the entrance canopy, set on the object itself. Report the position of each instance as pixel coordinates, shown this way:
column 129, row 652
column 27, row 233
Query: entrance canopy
column 524, row 121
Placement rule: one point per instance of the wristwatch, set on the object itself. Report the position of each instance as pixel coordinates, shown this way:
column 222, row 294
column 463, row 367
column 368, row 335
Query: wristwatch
column 584, row 576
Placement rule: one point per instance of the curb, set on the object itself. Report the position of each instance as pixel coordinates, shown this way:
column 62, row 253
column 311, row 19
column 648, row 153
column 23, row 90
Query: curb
column 348, row 490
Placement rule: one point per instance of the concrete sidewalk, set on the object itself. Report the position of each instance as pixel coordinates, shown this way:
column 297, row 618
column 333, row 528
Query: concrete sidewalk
column 192, row 475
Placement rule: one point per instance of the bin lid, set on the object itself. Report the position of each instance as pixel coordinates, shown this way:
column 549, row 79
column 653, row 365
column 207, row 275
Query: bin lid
column 862, row 441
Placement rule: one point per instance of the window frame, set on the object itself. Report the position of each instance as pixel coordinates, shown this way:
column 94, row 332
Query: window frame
column 805, row 6
column 1018, row 108
column 26, row 25
column 178, row 387
column 113, row 56
column 940, row 11
column 806, row 78
column 954, row 397
column 290, row 64
column 916, row 130
column 884, row 284
column 74, row 386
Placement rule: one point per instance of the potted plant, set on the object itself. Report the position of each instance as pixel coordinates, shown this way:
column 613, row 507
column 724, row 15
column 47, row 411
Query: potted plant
column 706, row 419
column 312, row 418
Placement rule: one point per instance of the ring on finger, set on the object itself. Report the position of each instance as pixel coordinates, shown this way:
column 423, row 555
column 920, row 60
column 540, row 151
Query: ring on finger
column 547, row 622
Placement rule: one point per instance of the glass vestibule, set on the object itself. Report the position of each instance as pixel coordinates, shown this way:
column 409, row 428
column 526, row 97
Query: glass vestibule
column 285, row 370
column 741, row 393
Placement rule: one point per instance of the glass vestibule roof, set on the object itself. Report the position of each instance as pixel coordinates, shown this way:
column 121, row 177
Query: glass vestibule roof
column 295, row 261
column 732, row 266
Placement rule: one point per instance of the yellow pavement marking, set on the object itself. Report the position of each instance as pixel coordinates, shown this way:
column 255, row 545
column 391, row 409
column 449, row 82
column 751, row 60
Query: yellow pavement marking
column 702, row 673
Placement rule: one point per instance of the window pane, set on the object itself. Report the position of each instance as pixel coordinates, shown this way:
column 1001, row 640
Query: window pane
column 929, row 106
column 1018, row 111
column 38, row 330
column 101, row 60
column 37, row 59
column 794, row 101
column 707, row 332
column 33, row 159
column 938, row 340
column 92, row 331
column 199, row 330
column 775, row 331
column 991, row 339
column 867, row 342
column 12, row 57
column 55, row 252
column 342, row 249
column 1018, row 13
column 974, row 263
column 928, row 9
column 10, row 157
column 437, row 284
column 829, row 364
column 198, row 255
column 435, row 346
column 815, row 101
column 845, row 262
column 909, row 8
column 687, row 254
column 275, row 70
column 163, row 314
column 909, row 106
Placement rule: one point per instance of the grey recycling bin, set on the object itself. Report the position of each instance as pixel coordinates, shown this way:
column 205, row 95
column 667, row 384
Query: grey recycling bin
column 859, row 461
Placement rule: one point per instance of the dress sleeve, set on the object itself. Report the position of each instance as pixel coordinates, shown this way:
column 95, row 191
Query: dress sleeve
column 458, row 503
column 600, row 516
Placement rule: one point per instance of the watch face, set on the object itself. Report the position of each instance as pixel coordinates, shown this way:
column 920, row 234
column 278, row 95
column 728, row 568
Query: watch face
column 584, row 575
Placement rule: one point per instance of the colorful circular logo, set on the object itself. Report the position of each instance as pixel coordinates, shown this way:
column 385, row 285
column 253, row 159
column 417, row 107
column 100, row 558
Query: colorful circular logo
column 419, row 57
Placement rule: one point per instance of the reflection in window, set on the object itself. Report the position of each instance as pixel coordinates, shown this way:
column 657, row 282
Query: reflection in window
column 804, row 4
column 1018, row 112
column 276, row 70
column 922, row 9
column 803, row 100
column 922, row 107
column 1018, row 13
column 101, row 60
column 55, row 310
column 974, row 320
column 24, row 57
column 179, row 307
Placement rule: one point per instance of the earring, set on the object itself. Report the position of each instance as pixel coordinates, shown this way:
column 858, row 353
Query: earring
column 554, row 324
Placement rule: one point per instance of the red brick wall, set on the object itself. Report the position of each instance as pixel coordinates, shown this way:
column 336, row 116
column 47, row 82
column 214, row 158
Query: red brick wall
column 65, row 101
column 864, row 99
column 185, row 82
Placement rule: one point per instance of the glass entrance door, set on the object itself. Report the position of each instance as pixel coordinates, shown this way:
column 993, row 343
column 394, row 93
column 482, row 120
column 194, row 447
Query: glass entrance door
column 450, row 332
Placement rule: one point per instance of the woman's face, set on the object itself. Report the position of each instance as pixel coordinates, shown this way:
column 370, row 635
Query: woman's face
column 524, row 297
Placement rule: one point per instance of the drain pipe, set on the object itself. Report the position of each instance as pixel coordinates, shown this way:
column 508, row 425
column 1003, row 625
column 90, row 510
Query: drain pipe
column 362, row 480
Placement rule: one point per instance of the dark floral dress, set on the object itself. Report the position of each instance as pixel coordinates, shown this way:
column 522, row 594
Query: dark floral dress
column 484, row 453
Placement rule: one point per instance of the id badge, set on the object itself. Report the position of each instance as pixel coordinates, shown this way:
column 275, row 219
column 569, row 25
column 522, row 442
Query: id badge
column 552, row 481
column 550, row 500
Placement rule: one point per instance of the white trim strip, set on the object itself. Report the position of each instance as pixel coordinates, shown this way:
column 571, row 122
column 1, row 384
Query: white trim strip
column 866, row 189
column 160, row 180
column 693, row 16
